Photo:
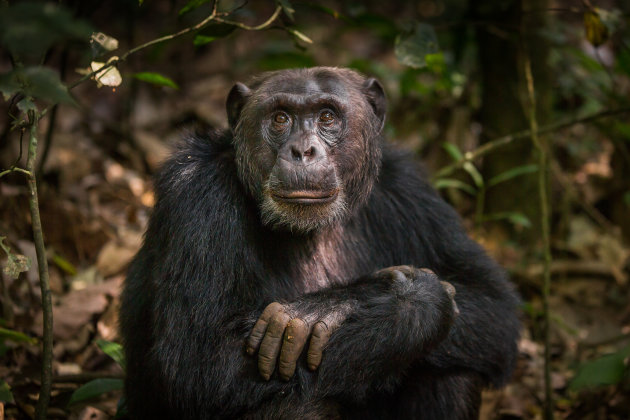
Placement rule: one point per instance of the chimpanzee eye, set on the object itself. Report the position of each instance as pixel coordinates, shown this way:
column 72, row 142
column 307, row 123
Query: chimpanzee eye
column 326, row 117
column 281, row 118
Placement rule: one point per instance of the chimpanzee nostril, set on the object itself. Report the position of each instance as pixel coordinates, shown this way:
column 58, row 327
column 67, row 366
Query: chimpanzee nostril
column 295, row 154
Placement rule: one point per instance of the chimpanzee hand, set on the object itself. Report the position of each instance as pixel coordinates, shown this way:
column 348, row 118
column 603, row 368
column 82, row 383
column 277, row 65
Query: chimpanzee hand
column 403, row 275
column 282, row 331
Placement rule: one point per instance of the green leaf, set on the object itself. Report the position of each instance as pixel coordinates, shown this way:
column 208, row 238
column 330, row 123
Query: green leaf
column 286, row 8
column 156, row 79
column 474, row 174
column 95, row 388
column 203, row 40
column 28, row 29
column 113, row 350
column 5, row 392
column 454, row 183
column 515, row 218
column 191, row 5
column 512, row 173
column 39, row 83
column 453, row 151
column 16, row 336
column 606, row 370
column 413, row 45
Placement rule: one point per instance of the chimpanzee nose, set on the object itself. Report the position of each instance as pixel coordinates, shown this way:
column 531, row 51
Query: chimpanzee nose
column 302, row 151
column 303, row 154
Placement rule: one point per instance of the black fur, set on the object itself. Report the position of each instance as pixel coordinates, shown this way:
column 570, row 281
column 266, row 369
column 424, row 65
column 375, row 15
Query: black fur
column 209, row 267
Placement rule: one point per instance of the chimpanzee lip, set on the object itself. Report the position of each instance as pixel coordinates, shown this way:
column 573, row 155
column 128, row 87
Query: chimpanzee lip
column 306, row 196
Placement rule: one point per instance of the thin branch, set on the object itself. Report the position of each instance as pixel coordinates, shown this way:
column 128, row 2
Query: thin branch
column 38, row 238
column 134, row 50
column 260, row 27
column 543, row 192
column 214, row 16
column 15, row 169
column 510, row 138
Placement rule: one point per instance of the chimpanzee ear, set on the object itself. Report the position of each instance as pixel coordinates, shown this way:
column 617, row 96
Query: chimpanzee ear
column 235, row 101
column 376, row 97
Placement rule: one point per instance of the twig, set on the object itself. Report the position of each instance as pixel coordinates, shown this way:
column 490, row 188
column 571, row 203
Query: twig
column 260, row 27
column 214, row 16
column 543, row 192
column 510, row 138
column 38, row 238
column 8, row 171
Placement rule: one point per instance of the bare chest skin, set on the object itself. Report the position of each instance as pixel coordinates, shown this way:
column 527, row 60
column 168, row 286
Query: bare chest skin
column 327, row 262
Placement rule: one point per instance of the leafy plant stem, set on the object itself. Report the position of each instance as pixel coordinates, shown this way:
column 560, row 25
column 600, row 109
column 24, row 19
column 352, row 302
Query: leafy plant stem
column 543, row 191
column 38, row 238
column 510, row 138
column 214, row 16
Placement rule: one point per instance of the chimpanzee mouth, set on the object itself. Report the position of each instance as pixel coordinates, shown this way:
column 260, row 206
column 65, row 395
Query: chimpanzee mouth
column 306, row 196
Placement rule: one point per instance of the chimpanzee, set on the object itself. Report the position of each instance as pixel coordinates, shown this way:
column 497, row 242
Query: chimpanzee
column 297, row 266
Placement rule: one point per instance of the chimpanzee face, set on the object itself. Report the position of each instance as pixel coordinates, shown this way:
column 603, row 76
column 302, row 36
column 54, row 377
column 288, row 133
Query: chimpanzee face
column 307, row 143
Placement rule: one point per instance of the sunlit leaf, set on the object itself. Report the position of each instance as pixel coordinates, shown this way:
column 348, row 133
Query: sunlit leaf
column 156, row 79
column 512, row 173
column 113, row 350
column 16, row 336
column 95, row 388
column 474, row 174
column 453, row 151
column 29, row 29
column 106, row 77
column 606, row 370
column 455, row 183
column 413, row 45
column 286, row 8
column 5, row 392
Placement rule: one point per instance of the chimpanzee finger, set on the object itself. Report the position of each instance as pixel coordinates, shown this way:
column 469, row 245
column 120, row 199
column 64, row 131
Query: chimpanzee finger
column 319, row 338
column 270, row 346
column 294, row 340
column 450, row 290
column 258, row 332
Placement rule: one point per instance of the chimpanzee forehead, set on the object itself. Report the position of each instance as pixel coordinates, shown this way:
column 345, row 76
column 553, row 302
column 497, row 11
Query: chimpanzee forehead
column 307, row 85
